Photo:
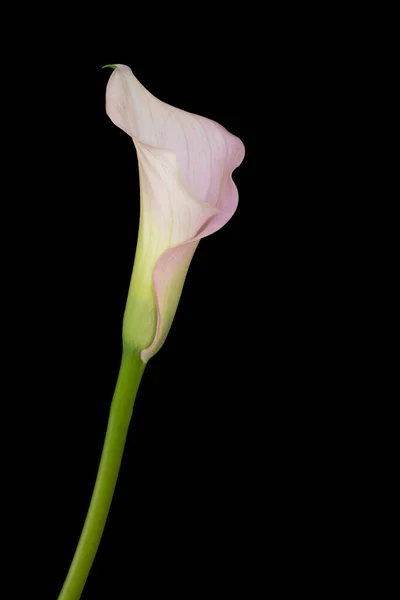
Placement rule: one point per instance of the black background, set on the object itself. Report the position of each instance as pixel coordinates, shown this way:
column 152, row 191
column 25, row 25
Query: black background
column 216, row 450
column 241, row 473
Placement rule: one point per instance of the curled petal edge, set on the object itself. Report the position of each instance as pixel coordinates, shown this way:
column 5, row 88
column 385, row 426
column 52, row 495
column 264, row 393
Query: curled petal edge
column 171, row 268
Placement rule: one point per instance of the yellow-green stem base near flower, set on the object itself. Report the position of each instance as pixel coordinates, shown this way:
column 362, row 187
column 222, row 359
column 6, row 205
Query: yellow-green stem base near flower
column 129, row 377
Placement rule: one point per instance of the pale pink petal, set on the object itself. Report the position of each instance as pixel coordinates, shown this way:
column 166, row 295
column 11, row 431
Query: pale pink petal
column 185, row 166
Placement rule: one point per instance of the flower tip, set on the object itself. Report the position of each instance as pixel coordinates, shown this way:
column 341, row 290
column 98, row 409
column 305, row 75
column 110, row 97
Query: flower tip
column 111, row 66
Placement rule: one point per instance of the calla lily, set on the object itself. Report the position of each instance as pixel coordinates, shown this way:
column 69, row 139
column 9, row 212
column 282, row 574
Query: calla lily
column 186, row 193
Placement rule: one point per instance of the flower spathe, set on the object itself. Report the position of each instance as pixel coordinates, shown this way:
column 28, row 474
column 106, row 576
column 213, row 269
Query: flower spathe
column 186, row 193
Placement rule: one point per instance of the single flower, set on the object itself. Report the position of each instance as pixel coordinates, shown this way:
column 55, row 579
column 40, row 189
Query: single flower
column 186, row 193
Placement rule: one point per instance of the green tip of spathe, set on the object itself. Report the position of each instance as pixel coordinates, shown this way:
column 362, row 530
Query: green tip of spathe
column 111, row 66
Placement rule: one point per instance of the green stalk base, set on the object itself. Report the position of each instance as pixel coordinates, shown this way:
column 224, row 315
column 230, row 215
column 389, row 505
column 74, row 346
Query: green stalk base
column 130, row 374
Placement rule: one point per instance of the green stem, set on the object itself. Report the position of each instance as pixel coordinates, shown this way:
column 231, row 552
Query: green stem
column 129, row 377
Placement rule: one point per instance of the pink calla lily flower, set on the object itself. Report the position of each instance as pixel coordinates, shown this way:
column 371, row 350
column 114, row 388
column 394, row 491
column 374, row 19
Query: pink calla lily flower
column 186, row 193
